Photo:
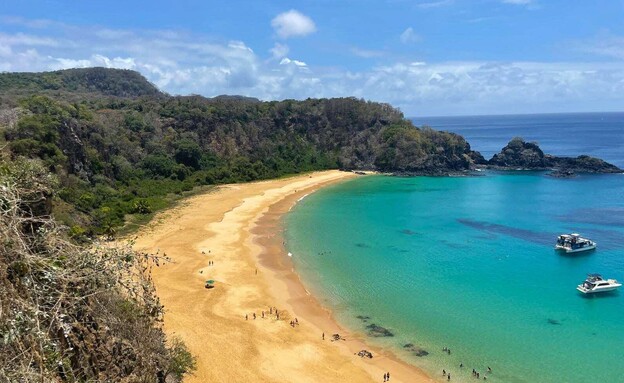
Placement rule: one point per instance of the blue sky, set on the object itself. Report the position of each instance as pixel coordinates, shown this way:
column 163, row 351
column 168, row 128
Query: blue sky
column 427, row 57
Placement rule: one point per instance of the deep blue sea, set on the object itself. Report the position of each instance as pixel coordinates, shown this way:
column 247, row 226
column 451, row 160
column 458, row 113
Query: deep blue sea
column 468, row 262
column 595, row 134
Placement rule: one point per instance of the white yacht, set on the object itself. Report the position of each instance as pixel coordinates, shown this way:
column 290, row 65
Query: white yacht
column 573, row 243
column 596, row 284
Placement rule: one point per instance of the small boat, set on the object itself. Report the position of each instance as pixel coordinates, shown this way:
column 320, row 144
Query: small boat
column 574, row 243
column 596, row 284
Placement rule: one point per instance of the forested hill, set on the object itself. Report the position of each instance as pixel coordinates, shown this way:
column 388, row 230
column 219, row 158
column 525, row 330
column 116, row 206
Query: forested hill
column 81, row 81
column 120, row 147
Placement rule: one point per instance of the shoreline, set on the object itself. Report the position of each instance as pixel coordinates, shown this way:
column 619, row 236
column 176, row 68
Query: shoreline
column 279, row 266
column 233, row 235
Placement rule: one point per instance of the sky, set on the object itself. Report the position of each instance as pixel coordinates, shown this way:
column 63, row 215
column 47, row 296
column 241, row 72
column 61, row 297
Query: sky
column 426, row 57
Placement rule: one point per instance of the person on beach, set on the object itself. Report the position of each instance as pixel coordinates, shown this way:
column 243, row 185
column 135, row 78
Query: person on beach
column 388, row 374
column 263, row 314
column 443, row 372
column 246, row 317
column 254, row 315
column 385, row 377
column 448, row 377
column 323, row 336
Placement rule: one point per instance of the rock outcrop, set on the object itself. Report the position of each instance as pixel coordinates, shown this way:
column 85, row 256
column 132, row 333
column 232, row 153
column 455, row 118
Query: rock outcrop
column 519, row 154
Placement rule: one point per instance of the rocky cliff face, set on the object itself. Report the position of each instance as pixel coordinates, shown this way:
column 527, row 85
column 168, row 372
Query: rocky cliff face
column 519, row 154
column 583, row 164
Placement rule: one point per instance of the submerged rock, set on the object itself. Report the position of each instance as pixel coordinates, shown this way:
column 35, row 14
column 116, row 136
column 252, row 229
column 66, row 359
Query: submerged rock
column 378, row 331
column 419, row 352
column 408, row 232
column 553, row 321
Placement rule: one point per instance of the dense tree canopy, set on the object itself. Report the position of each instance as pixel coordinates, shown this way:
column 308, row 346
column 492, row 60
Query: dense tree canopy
column 123, row 144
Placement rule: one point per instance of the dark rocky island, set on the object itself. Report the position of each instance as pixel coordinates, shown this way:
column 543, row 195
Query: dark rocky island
column 522, row 155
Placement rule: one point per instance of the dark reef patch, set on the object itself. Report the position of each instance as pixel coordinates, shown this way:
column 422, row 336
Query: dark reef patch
column 494, row 228
column 417, row 351
column 362, row 245
column 408, row 232
column 378, row 331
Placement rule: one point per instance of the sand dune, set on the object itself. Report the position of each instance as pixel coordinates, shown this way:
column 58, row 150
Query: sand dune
column 237, row 227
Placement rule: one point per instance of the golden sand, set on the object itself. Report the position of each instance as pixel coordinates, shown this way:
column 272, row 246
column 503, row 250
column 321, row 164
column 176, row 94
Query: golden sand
column 237, row 229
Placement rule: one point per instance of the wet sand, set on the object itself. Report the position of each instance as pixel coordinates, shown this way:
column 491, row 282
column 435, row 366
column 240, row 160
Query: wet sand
column 238, row 229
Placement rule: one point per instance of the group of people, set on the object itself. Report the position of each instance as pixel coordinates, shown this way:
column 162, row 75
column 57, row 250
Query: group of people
column 271, row 310
column 475, row 373
column 387, row 377
column 294, row 323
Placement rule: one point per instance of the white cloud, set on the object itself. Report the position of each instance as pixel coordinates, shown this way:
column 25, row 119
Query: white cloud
column 409, row 36
column 29, row 40
column 287, row 61
column 292, row 23
column 605, row 44
column 181, row 63
column 279, row 50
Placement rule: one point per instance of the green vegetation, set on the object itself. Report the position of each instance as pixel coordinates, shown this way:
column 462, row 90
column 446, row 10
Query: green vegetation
column 70, row 313
column 97, row 81
column 118, row 155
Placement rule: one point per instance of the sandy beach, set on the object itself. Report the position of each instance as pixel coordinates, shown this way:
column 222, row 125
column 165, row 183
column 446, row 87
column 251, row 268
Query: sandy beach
column 232, row 235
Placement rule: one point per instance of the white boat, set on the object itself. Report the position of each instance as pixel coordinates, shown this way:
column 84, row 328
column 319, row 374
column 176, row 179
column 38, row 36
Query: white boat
column 596, row 284
column 573, row 243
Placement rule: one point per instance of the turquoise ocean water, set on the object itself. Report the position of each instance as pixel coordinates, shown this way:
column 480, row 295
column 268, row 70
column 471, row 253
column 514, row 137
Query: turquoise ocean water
column 468, row 263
